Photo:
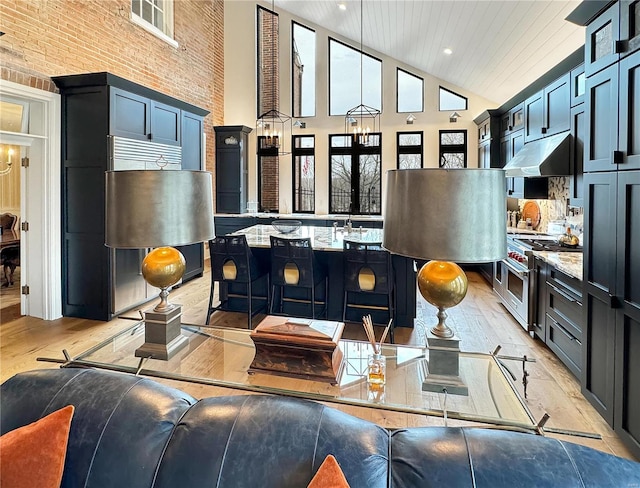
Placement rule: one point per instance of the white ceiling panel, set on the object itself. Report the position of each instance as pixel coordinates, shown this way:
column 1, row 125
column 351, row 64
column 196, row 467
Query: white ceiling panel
column 499, row 47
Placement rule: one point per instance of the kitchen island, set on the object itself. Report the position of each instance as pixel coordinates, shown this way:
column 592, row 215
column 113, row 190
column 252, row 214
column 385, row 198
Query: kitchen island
column 327, row 243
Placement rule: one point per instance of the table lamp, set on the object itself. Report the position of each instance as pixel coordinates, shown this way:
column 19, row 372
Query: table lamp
column 157, row 209
column 445, row 216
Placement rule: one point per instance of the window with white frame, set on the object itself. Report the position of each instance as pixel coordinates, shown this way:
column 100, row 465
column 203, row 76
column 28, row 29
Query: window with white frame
column 155, row 15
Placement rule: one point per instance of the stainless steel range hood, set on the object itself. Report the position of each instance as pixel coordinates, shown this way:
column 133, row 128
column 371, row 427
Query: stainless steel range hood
column 548, row 156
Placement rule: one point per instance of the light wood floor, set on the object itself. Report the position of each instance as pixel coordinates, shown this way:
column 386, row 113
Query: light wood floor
column 480, row 321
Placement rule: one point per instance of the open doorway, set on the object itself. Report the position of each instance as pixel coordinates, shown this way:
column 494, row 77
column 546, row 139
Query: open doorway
column 30, row 191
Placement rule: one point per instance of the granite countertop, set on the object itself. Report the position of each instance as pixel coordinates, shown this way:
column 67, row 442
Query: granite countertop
column 322, row 238
column 301, row 216
column 567, row 262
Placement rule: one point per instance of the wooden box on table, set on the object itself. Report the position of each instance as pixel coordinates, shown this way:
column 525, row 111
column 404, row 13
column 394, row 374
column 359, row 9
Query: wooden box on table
column 301, row 348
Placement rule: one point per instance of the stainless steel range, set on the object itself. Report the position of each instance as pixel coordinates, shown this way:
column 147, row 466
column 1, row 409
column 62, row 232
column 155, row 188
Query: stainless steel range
column 514, row 278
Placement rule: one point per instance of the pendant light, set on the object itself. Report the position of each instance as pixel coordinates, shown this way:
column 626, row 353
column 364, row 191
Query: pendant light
column 273, row 128
column 362, row 119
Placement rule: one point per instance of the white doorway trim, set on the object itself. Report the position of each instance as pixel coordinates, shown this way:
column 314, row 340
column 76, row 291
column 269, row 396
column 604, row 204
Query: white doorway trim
column 41, row 206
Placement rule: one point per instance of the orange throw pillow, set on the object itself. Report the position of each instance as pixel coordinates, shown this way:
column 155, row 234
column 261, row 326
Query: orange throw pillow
column 34, row 455
column 329, row 475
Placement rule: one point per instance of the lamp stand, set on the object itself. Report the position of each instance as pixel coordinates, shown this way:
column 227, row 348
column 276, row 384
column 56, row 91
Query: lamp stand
column 163, row 267
column 443, row 370
column 162, row 336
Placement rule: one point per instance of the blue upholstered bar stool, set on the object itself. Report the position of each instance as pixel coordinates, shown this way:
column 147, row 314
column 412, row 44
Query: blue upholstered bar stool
column 368, row 270
column 233, row 262
column 294, row 265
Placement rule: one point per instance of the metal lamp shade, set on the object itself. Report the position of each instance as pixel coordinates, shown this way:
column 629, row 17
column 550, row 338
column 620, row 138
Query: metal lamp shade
column 158, row 208
column 454, row 215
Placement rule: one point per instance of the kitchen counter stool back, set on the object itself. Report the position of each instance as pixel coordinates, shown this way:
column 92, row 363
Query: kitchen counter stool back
column 294, row 265
column 233, row 262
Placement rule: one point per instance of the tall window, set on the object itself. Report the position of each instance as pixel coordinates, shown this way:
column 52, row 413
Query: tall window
column 410, row 92
column 268, row 61
column 303, row 71
column 344, row 79
column 453, row 148
column 355, row 169
column 450, row 100
column 304, row 174
column 410, row 150
column 155, row 15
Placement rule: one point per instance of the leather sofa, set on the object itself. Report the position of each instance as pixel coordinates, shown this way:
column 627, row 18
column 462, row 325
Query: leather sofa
column 130, row 431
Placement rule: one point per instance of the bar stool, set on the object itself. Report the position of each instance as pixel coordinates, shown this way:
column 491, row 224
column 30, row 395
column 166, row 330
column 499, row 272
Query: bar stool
column 233, row 262
column 293, row 264
column 368, row 270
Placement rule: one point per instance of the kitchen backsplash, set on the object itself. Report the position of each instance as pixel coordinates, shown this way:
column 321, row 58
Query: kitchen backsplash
column 556, row 207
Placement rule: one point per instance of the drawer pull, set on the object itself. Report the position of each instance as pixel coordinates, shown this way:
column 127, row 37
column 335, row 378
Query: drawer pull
column 561, row 293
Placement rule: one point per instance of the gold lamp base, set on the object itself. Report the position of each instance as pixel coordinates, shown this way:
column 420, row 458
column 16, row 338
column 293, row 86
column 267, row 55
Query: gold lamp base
column 444, row 285
column 162, row 268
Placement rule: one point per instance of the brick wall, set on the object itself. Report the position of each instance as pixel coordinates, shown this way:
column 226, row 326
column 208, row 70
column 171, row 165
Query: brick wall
column 45, row 38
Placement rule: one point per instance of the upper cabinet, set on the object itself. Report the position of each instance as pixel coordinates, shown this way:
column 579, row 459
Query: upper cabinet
column 614, row 34
column 138, row 117
column 577, row 85
column 548, row 112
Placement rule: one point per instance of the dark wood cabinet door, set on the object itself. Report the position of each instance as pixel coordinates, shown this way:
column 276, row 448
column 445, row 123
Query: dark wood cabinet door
column 192, row 157
column 627, row 415
column 130, row 115
column 629, row 135
column 576, row 179
column 599, row 291
column 630, row 26
column 578, row 80
column 533, row 117
column 557, row 106
column 600, row 43
column 601, row 114
column 165, row 124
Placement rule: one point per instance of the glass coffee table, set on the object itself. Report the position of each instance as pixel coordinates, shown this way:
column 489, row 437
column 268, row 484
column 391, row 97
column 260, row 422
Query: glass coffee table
column 221, row 357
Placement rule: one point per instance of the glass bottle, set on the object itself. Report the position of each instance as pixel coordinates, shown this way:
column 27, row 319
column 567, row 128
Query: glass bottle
column 376, row 369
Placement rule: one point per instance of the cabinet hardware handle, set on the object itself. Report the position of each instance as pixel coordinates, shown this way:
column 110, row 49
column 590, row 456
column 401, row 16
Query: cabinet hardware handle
column 614, row 301
column 561, row 293
column 618, row 157
column 149, row 136
column 510, row 127
column 620, row 47
column 544, row 130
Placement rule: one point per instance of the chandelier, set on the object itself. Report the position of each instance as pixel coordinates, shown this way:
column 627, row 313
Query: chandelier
column 362, row 120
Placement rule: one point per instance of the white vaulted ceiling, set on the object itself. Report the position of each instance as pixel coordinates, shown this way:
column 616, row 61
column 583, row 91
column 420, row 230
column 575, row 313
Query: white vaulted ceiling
column 499, row 47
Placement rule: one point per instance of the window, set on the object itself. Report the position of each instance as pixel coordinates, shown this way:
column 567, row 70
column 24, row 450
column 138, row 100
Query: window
column 410, row 92
column 345, row 85
column 450, row 100
column 268, row 61
column 155, row 16
column 453, row 148
column 354, row 185
column 304, row 194
column 410, row 150
column 303, row 71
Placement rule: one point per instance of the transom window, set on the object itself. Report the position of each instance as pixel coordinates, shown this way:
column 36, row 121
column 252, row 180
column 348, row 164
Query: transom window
column 453, row 148
column 303, row 70
column 345, row 85
column 304, row 173
column 450, row 100
column 154, row 15
column 356, row 168
column 409, row 150
column 410, row 92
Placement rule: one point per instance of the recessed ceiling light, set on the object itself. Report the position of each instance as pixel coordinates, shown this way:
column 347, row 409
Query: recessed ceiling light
column 447, row 51
column 342, row 6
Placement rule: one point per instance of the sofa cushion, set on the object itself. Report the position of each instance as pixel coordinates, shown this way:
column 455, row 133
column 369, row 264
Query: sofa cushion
column 34, row 455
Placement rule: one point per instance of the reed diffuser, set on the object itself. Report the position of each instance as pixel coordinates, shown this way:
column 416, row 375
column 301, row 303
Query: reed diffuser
column 376, row 363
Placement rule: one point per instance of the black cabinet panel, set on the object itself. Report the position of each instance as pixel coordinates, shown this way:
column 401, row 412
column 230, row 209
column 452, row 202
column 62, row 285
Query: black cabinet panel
column 130, row 115
column 576, row 180
column 628, row 249
column 566, row 346
column 556, row 106
column 630, row 25
column 600, row 43
column 192, row 156
column 232, row 173
column 600, row 231
column 87, row 118
column 601, row 109
column 627, row 415
column 84, row 188
column 629, row 140
column 165, row 124
column 578, row 79
column 533, row 117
